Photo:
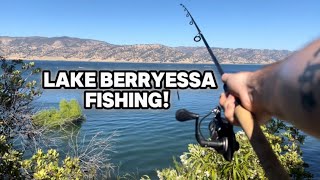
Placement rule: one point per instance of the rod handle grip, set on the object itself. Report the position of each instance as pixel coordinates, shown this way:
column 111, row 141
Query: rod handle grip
column 268, row 160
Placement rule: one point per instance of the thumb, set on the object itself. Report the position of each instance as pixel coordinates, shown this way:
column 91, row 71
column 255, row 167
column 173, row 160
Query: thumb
column 225, row 77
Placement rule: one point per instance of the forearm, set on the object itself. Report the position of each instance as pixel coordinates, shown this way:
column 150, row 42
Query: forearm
column 290, row 89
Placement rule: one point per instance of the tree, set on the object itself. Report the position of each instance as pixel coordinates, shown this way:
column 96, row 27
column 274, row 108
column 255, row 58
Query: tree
column 17, row 90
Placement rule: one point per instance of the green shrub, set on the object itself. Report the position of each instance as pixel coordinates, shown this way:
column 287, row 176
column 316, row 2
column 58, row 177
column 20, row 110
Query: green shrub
column 39, row 166
column 9, row 160
column 205, row 163
column 18, row 88
column 46, row 166
column 68, row 113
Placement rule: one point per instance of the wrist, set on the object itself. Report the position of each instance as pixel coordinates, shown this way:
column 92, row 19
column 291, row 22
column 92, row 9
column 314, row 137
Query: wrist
column 261, row 91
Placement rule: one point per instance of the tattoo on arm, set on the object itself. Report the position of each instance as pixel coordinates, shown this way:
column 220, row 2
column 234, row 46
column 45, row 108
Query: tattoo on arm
column 308, row 81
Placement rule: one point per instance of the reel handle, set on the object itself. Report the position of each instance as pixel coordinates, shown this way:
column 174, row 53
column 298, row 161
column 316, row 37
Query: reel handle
column 185, row 115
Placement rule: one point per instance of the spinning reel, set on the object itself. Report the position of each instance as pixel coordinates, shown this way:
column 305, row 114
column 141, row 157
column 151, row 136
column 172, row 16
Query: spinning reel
column 222, row 137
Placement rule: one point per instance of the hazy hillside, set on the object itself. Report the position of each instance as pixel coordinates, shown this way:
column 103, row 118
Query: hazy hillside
column 66, row 48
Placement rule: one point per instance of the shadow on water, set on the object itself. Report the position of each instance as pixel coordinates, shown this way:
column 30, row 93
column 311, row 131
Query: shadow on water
column 66, row 130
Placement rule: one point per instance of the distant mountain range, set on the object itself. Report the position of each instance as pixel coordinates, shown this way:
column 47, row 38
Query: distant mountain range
column 67, row 48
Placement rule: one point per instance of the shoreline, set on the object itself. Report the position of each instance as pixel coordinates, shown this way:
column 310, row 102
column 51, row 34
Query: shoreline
column 113, row 61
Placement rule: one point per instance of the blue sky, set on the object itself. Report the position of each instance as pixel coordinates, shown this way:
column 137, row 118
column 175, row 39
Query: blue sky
column 272, row 24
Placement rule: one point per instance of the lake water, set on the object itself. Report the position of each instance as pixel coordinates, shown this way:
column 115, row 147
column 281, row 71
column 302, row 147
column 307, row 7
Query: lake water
column 148, row 139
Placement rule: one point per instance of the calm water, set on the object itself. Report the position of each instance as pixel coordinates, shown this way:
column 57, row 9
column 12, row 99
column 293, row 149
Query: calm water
column 148, row 139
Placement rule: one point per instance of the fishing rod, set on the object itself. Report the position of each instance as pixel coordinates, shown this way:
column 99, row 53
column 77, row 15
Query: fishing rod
column 225, row 142
column 200, row 37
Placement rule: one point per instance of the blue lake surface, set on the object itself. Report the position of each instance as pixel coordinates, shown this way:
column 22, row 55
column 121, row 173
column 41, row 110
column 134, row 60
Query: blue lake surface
column 147, row 140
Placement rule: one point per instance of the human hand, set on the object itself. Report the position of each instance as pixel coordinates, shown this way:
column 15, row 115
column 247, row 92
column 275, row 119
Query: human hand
column 241, row 85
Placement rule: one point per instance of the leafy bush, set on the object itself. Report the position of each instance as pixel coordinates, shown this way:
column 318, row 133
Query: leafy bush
column 40, row 166
column 205, row 163
column 18, row 88
column 9, row 160
column 17, row 91
column 46, row 166
column 69, row 112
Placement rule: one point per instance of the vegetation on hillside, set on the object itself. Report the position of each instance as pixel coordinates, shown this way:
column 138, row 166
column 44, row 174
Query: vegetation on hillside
column 68, row 113
column 205, row 163
column 67, row 48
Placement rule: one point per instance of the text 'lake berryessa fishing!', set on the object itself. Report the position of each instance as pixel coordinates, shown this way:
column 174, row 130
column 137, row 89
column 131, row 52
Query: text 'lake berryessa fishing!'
column 128, row 89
